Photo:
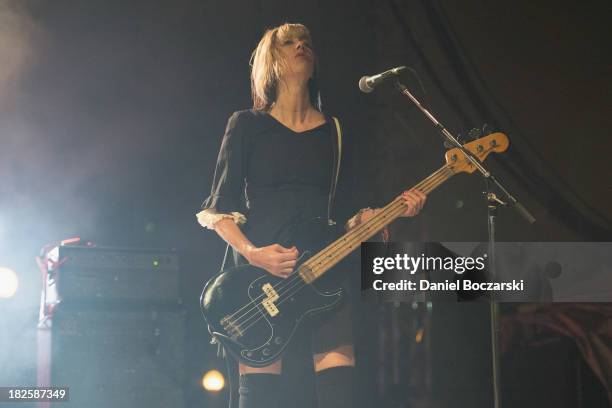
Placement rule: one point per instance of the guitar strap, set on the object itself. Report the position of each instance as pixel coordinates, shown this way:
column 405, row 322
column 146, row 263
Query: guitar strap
column 337, row 149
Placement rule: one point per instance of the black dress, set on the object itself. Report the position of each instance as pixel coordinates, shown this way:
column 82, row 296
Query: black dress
column 277, row 177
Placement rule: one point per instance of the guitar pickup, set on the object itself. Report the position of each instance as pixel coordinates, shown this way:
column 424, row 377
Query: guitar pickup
column 270, row 292
column 271, row 297
column 270, row 307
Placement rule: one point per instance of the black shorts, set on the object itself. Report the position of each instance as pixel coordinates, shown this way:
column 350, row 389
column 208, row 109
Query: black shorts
column 329, row 330
column 321, row 333
column 333, row 329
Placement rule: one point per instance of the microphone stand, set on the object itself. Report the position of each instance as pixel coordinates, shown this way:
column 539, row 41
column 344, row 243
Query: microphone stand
column 492, row 202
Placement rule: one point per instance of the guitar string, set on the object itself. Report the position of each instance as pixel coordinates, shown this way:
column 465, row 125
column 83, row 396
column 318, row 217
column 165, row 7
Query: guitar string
column 289, row 285
column 391, row 208
column 328, row 249
column 430, row 184
column 301, row 284
column 282, row 298
column 356, row 230
column 353, row 232
column 427, row 185
column 424, row 186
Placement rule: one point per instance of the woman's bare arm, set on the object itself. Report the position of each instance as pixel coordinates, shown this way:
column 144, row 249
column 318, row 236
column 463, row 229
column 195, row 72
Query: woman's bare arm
column 276, row 259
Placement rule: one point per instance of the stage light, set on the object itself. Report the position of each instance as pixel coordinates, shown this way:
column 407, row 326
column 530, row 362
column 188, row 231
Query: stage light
column 213, row 381
column 419, row 336
column 8, row 282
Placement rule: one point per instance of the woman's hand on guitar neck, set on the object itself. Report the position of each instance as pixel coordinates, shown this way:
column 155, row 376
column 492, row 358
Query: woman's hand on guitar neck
column 276, row 259
column 415, row 200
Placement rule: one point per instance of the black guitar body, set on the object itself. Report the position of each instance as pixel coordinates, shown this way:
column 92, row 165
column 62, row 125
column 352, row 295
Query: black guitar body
column 254, row 314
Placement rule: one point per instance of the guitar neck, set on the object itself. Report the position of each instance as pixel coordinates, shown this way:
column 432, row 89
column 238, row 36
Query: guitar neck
column 343, row 246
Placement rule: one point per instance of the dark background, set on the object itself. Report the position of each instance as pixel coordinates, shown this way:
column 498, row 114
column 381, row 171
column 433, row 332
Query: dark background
column 112, row 112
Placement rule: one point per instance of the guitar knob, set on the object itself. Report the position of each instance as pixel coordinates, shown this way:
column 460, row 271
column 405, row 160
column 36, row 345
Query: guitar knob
column 266, row 352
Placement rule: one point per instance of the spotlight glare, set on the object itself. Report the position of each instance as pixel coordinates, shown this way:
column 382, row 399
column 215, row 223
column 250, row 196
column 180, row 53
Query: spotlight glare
column 213, row 381
column 8, row 282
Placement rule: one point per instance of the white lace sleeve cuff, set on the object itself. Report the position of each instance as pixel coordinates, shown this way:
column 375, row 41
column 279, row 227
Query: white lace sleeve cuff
column 208, row 217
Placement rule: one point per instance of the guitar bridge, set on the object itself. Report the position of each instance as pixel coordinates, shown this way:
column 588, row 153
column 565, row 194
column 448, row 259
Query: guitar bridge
column 231, row 328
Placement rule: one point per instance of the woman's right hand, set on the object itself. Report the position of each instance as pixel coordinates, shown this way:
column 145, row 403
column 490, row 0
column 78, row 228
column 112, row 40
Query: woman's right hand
column 276, row 259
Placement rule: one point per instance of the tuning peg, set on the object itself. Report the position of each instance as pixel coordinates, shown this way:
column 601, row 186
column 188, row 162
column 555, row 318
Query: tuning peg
column 485, row 129
column 475, row 134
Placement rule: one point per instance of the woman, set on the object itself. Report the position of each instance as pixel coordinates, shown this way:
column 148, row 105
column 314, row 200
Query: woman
column 276, row 160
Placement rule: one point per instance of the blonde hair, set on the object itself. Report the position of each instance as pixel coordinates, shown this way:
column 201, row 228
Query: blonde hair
column 267, row 66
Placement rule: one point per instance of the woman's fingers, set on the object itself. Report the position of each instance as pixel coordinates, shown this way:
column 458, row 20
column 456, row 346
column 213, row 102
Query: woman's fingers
column 286, row 256
column 286, row 272
column 415, row 201
column 412, row 202
column 421, row 197
column 280, row 261
column 286, row 251
column 288, row 264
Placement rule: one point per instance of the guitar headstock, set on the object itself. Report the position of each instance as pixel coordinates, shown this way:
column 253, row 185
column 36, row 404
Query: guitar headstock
column 495, row 142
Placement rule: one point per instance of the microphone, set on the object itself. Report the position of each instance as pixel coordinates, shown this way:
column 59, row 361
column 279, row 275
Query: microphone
column 368, row 83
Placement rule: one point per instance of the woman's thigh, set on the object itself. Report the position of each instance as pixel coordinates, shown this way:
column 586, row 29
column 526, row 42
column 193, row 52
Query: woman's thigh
column 274, row 368
column 340, row 356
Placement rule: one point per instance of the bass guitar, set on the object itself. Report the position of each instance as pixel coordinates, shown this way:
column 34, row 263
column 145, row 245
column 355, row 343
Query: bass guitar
column 254, row 314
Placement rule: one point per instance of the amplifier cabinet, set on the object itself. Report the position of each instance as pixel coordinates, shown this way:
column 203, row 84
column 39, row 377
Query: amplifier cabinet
column 76, row 273
column 113, row 356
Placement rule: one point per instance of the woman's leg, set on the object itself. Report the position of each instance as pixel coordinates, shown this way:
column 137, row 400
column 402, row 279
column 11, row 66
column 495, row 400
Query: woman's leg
column 260, row 387
column 335, row 377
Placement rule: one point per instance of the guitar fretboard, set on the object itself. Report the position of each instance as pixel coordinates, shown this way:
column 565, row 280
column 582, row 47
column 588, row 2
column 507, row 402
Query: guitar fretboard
column 343, row 246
